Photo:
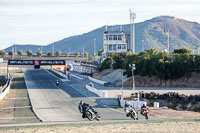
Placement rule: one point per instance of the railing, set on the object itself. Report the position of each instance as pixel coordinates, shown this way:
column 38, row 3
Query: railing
column 3, row 87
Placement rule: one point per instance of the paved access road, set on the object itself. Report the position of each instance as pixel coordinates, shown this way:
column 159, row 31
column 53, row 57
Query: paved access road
column 52, row 103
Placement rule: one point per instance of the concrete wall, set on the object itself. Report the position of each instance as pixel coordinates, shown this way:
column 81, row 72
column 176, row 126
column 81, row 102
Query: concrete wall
column 3, row 94
column 98, row 92
column 97, row 80
column 135, row 104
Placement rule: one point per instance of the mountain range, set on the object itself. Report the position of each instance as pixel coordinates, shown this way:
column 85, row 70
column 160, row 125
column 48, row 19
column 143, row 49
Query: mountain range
column 148, row 34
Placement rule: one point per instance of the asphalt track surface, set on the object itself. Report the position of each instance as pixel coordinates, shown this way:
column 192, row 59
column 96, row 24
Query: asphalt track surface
column 60, row 104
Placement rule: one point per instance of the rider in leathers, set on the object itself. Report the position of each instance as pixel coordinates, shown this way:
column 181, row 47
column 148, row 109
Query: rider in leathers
column 82, row 108
column 128, row 108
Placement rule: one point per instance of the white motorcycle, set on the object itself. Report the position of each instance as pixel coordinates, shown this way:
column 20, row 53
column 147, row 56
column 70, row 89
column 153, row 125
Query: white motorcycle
column 132, row 113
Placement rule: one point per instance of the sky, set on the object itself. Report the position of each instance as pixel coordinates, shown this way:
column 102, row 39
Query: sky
column 42, row 22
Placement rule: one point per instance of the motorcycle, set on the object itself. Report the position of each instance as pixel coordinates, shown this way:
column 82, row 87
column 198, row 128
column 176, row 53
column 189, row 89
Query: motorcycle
column 92, row 114
column 145, row 113
column 133, row 114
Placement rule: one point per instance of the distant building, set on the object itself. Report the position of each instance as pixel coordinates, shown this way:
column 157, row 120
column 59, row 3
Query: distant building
column 115, row 42
column 84, row 68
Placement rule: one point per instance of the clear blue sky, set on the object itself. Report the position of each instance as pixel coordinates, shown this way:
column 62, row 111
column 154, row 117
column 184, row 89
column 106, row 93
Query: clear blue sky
column 45, row 21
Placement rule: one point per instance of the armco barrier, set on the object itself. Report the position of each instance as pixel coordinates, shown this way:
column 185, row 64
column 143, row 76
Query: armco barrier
column 98, row 92
column 3, row 94
column 97, row 80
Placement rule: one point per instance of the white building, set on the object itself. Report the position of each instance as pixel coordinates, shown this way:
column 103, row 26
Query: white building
column 114, row 42
column 84, row 68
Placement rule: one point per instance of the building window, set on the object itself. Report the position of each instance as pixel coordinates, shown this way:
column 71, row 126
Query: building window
column 114, row 47
column 119, row 37
column 115, row 37
column 106, row 37
column 110, row 47
column 119, row 46
column 110, row 38
column 123, row 46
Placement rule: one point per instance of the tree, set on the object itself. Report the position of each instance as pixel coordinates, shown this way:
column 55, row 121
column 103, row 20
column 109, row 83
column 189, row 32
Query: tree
column 10, row 53
column 2, row 53
column 86, row 54
column 106, row 64
column 39, row 53
column 77, row 54
column 58, row 53
column 49, row 54
column 19, row 52
column 29, row 52
column 67, row 54
column 182, row 51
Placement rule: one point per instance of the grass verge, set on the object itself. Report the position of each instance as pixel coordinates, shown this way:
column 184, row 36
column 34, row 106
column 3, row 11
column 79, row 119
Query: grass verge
column 24, row 114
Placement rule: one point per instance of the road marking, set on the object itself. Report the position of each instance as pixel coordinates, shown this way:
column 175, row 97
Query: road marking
column 16, row 107
column 97, row 101
column 77, row 77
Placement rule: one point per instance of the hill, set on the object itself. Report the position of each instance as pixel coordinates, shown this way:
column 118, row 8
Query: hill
column 149, row 34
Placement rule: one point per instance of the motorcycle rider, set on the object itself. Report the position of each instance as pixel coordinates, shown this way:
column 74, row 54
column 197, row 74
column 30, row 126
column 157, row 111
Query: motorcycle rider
column 128, row 108
column 144, row 108
column 82, row 108
column 57, row 82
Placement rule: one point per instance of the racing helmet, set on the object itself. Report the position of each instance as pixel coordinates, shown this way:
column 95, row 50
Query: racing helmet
column 80, row 102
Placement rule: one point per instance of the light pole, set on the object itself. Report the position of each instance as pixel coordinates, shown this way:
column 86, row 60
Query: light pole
column 53, row 49
column 94, row 46
column 13, row 52
column 122, row 87
column 167, row 34
column 132, row 66
column 142, row 45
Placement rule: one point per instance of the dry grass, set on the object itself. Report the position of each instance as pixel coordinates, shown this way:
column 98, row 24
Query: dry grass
column 166, row 127
column 17, row 97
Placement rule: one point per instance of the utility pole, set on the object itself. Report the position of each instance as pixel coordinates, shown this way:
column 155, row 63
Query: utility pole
column 94, row 47
column 122, row 97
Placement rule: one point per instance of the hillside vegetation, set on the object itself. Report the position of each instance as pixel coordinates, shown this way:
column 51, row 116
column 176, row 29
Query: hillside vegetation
column 148, row 34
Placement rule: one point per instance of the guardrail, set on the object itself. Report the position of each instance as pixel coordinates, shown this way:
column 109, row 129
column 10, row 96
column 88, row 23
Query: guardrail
column 5, row 89
column 97, row 80
column 98, row 92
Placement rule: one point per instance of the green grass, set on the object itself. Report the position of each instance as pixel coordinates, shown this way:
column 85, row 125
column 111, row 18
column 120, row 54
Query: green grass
column 22, row 94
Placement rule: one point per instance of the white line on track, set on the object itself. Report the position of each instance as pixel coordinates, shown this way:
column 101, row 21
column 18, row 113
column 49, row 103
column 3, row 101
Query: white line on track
column 77, row 77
